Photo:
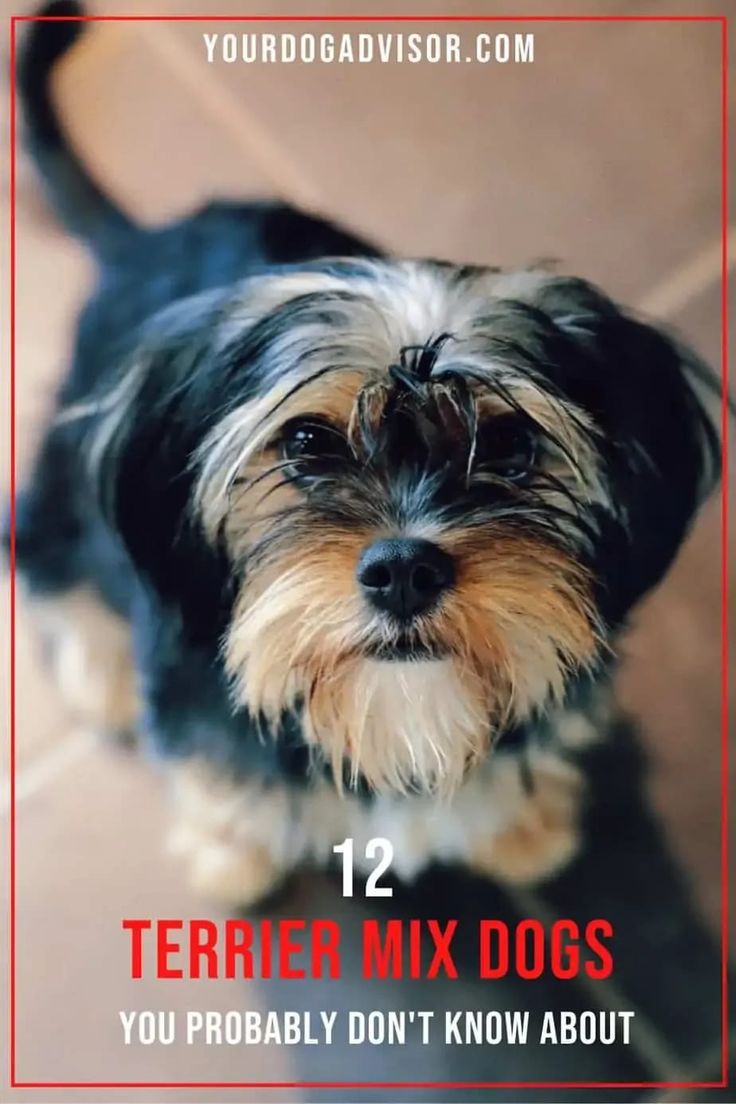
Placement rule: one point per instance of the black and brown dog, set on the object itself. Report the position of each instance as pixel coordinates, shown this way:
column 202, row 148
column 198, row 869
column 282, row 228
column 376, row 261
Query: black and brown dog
column 348, row 538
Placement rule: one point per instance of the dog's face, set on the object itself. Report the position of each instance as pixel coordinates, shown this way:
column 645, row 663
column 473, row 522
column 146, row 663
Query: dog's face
column 409, row 502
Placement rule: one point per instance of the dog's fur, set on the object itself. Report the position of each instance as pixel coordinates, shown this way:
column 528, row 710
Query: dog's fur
column 164, row 528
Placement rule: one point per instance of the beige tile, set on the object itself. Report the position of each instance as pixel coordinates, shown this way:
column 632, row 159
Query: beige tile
column 429, row 159
column 52, row 278
column 42, row 720
column 147, row 136
column 507, row 164
column 493, row 8
column 700, row 322
column 88, row 854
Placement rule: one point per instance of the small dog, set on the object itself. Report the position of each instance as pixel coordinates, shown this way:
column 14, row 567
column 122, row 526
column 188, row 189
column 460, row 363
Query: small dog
column 348, row 538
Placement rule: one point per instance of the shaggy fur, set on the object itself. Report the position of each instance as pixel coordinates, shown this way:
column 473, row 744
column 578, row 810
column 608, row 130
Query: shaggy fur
column 256, row 399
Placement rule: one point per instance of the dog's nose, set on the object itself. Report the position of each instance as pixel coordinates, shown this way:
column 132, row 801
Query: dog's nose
column 404, row 577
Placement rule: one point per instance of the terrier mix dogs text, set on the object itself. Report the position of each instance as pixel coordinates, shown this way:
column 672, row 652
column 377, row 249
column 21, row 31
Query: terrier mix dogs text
column 349, row 539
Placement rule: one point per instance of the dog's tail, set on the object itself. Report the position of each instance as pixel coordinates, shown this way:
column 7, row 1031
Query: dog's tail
column 75, row 197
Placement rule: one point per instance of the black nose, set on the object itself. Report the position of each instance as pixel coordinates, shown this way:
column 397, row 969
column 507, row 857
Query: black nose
column 404, row 577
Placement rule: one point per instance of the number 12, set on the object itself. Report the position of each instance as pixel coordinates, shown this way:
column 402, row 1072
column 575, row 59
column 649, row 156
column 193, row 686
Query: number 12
column 374, row 847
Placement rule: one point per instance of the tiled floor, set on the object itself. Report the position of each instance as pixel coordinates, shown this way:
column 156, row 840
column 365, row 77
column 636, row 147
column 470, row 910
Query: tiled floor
column 605, row 155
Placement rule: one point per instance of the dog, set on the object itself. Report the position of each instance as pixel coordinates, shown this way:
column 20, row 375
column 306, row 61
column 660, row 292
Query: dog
column 348, row 539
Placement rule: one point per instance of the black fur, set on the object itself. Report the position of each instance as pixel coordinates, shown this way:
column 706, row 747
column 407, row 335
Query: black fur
column 63, row 537
column 160, row 294
column 84, row 209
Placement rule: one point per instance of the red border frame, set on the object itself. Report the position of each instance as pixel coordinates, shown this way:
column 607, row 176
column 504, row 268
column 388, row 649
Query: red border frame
column 723, row 1083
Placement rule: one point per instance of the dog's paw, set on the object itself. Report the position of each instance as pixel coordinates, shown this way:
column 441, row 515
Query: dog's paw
column 89, row 651
column 543, row 837
column 234, row 834
column 231, row 875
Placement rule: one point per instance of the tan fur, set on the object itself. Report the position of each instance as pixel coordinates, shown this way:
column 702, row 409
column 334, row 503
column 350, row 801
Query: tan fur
column 408, row 304
column 571, row 426
column 518, row 619
column 576, row 730
column 522, row 611
column 234, row 838
column 545, row 833
column 240, row 445
column 90, row 653
column 242, row 838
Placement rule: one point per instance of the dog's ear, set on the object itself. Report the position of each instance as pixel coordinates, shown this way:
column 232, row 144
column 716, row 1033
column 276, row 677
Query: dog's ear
column 660, row 449
column 147, row 427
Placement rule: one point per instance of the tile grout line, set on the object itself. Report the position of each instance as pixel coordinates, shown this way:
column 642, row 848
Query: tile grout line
column 649, row 1044
column 689, row 280
column 663, row 300
column 290, row 181
column 706, row 1067
column 46, row 767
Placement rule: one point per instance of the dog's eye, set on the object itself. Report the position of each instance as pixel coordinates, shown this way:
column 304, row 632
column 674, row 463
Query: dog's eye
column 314, row 446
column 507, row 448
